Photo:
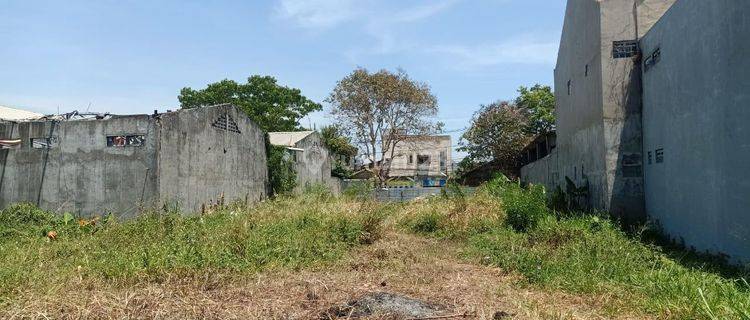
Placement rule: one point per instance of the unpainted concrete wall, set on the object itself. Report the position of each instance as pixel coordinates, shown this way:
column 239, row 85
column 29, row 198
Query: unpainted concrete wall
column 598, row 104
column 697, row 112
column 185, row 159
column 199, row 162
column 313, row 165
column 81, row 174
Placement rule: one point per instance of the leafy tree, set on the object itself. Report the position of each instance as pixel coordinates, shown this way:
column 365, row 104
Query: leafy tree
column 272, row 106
column 340, row 145
column 281, row 175
column 538, row 102
column 379, row 110
column 498, row 132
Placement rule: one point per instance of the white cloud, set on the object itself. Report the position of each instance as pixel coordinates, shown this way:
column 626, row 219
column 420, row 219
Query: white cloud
column 519, row 50
column 318, row 13
column 378, row 20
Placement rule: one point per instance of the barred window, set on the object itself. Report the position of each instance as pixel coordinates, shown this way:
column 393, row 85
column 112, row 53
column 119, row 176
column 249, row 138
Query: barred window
column 624, row 49
column 126, row 141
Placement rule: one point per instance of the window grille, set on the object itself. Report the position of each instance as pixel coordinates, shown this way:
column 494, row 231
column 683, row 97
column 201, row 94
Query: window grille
column 226, row 122
column 125, row 141
column 624, row 49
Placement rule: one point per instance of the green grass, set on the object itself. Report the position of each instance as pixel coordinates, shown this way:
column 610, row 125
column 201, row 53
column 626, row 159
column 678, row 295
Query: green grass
column 587, row 254
column 282, row 233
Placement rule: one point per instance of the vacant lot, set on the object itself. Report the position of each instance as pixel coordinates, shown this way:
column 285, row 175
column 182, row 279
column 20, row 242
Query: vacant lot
column 497, row 254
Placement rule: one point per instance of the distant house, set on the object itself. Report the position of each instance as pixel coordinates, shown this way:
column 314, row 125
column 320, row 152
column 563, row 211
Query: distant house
column 12, row 114
column 426, row 160
column 312, row 160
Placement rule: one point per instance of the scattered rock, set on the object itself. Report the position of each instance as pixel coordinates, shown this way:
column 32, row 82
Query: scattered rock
column 501, row 315
column 383, row 303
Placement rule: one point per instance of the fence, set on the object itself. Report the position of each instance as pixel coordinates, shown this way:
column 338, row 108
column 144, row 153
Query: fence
column 408, row 194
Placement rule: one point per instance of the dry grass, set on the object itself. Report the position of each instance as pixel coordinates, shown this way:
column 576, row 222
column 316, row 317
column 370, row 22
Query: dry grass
column 421, row 268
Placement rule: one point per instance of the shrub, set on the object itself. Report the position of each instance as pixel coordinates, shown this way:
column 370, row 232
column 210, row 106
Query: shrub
column 282, row 178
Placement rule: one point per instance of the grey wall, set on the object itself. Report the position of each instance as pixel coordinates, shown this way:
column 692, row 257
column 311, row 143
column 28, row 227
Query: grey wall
column 598, row 119
column 697, row 109
column 80, row 174
column 313, row 165
column 198, row 162
column 185, row 159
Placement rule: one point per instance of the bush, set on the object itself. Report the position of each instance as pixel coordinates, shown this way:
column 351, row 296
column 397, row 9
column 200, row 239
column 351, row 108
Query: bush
column 282, row 178
column 524, row 207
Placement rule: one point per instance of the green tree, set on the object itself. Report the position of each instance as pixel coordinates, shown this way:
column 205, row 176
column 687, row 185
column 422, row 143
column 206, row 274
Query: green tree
column 272, row 106
column 498, row 132
column 538, row 102
column 340, row 146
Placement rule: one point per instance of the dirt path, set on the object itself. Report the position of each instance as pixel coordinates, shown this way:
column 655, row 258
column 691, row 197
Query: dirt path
column 408, row 265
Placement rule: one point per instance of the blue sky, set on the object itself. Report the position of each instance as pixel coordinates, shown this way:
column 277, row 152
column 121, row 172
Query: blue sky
column 135, row 56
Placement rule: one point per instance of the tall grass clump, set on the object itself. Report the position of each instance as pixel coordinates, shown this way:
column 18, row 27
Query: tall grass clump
column 582, row 253
column 287, row 232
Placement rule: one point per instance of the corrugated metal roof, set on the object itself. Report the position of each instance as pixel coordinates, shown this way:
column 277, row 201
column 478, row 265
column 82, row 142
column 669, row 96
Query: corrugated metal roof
column 12, row 114
column 287, row 139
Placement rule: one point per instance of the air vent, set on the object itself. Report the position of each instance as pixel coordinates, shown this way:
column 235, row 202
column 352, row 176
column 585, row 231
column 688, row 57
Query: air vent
column 226, row 122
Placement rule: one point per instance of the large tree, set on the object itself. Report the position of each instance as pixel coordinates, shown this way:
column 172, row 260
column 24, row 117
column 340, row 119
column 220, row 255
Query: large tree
column 379, row 110
column 498, row 133
column 538, row 102
column 272, row 106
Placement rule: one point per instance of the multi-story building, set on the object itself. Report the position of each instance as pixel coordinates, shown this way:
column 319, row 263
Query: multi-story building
column 424, row 159
column 652, row 114
column 598, row 104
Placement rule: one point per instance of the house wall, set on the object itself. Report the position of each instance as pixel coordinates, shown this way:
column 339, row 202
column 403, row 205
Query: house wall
column 427, row 146
column 80, row 174
column 696, row 109
column 313, row 165
column 598, row 118
column 200, row 161
column 580, row 134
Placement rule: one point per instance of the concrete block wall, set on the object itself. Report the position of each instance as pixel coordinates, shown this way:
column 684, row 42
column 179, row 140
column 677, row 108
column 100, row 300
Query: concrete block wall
column 80, row 174
column 186, row 158
column 696, row 122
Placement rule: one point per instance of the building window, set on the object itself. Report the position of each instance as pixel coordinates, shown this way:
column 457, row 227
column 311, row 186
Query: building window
column 568, row 87
column 226, row 122
column 650, row 157
column 411, row 159
column 624, row 49
column 44, row 143
column 423, row 159
column 586, row 73
column 125, row 141
column 659, row 155
column 443, row 160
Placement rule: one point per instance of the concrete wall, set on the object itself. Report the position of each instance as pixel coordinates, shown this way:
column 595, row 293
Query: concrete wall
column 696, row 111
column 184, row 159
column 313, row 165
column 579, row 127
column 199, row 161
column 598, row 104
column 80, row 174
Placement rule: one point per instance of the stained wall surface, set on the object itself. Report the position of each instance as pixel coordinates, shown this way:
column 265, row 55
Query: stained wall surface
column 80, row 173
column 696, row 115
column 209, row 153
column 188, row 157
